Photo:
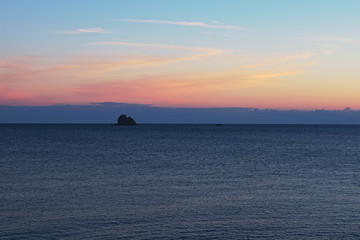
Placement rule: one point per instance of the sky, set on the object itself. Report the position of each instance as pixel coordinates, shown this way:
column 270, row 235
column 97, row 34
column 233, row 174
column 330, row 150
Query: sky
column 264, row 54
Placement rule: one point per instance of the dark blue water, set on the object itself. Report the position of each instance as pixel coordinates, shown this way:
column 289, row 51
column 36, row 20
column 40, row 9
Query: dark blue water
column 179, row 181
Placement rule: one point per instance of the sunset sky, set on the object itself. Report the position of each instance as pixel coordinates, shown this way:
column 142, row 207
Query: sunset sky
column 276, row 54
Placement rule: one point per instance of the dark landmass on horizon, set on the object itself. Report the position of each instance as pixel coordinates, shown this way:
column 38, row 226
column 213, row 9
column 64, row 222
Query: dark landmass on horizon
column 108, row 112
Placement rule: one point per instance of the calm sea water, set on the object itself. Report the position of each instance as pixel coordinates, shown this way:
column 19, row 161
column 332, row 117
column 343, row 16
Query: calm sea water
column 179, row 181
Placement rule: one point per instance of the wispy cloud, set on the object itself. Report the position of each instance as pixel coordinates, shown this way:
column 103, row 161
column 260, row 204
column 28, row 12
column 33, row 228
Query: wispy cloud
column 202, row 51
column 335, row 39
column 342, row 40
column 181, row 89
column 273, row 75
column 150, row 45
column 215, row 24
column 329, row 49
column 292, row 57
column 331, row 44
column 84, row 30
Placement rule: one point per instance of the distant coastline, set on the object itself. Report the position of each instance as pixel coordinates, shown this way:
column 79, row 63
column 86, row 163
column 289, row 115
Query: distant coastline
column 146, row 114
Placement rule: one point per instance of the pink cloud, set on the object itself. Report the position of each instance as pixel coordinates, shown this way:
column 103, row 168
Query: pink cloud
column 13, row 97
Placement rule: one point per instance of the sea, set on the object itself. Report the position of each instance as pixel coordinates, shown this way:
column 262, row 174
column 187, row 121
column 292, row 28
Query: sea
column 100, row 181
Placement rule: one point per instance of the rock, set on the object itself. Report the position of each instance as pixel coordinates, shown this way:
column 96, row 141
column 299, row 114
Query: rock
column 124, row 120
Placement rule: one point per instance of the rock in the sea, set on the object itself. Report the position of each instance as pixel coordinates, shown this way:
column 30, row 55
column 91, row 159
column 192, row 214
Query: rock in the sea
column 124, row 120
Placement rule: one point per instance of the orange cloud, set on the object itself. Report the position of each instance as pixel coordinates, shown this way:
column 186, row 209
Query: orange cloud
column 177, row 57
column 180, row 90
